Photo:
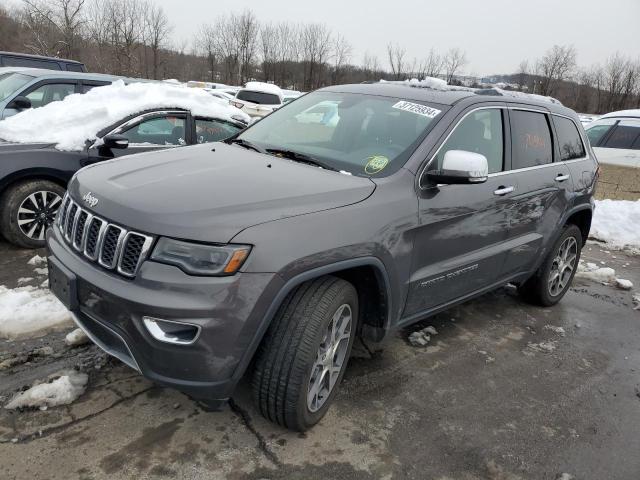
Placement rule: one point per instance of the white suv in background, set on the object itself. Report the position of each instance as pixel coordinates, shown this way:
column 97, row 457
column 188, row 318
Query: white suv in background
column 258, row 99
column 615, row 138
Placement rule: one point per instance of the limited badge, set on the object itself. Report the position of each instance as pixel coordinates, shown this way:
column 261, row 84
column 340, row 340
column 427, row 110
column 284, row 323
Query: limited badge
column 375, row 164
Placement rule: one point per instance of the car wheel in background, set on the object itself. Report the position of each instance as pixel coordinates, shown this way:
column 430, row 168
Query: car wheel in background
column 552, row 280
column 27, row 209
column 304, row 354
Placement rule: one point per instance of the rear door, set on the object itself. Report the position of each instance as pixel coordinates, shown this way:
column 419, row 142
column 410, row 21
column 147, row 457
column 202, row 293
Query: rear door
column 544, row 188
column 459, row 246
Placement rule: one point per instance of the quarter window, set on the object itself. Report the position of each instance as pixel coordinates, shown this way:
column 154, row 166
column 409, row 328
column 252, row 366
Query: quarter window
column 480, row 132
column 625, row 135
column 569, row 140
column 531, row 139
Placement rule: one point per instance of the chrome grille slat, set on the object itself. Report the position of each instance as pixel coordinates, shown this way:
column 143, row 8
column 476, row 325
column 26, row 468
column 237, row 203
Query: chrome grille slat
column 111, row 246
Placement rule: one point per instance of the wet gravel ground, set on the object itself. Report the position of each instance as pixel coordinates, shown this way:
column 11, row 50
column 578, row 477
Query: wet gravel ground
column 499, row 393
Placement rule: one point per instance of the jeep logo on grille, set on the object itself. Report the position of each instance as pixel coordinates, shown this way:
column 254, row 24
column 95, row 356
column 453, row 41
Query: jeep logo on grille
column 90, row 200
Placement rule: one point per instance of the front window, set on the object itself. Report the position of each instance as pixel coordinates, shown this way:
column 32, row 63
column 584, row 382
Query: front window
column 11, row 82
column 261, row 98
column 598, row 129
column 361, row 134
column 164, row 130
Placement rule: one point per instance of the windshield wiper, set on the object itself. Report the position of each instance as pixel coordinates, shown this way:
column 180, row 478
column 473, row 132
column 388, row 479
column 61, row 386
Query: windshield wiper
column 300, row 157
column 244, row 143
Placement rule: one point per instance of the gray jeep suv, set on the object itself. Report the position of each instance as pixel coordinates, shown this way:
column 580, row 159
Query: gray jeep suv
column 269, row 253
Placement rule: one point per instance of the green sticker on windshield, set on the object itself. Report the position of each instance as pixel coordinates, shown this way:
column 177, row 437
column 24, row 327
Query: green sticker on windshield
column 375, row 164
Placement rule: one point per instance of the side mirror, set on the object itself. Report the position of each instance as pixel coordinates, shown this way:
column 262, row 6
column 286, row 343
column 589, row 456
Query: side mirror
column 460, row 166
column 115, row 141
column 20, row 103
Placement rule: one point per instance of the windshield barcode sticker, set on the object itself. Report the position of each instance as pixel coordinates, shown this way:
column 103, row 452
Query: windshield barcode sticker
column 417, row 109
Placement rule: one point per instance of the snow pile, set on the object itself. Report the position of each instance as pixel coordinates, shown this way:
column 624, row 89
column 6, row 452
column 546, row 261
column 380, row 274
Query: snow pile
column 528, row 96
column 264, row 87
column 616, row 222
column 591, row 271
column 559, row 330
column 427, row 82
column 61, row 389
column 76, row 337
column 77, row 118
column 543, row 347
column 421, row 338
column 37, row 260
column 29, row 311
column 636, row 302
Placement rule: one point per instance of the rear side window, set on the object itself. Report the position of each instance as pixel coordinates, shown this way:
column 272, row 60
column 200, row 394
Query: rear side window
column 262, row 98
column 531, row 139
column 75, row 67
column 29, row 62
column 569, row 140
column 625, row 135
column 479, row 132
column 85, row 87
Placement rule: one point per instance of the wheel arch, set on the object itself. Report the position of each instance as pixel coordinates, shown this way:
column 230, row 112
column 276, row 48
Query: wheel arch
column 367, row 274
column 32, row 174
column 581, row 217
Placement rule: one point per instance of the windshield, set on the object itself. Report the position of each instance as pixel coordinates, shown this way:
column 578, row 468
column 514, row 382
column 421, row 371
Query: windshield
column 10, row 82
column 364, row 135
column 261, row 98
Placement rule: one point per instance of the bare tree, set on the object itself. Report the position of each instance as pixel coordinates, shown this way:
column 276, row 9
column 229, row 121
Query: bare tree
column 396, row 56
column 370, row 66
column 269, row 48
column 206, row 45
column 341, row 56
column 55, row 26
column 554, row 67
column 454, row 60
column 156, row 32
column 315, row 41
column 245, row 29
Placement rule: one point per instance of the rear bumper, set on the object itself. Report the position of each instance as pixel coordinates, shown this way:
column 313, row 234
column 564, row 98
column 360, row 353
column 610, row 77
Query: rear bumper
column 228, row 310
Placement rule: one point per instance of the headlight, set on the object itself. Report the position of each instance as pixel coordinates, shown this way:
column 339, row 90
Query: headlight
column 199, row 259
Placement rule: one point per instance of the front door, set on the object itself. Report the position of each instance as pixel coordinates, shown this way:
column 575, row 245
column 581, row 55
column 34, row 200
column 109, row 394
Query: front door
column 459, row 247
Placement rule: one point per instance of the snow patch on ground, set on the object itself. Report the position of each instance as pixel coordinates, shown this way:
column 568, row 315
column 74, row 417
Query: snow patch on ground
column 592, row 271
column 23, row 280
column 60, row 389
column 553, row 328
column 30, row 312
column 77, row 118
column 76, row 337
column 543, row 347
column 616, row 223
column 420, row 338
column 623, row 284
column 37, row 261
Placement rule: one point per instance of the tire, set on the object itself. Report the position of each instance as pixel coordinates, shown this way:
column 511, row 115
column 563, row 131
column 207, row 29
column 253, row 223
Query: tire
column 539, row 289
column 287, row 365
column 18, row 200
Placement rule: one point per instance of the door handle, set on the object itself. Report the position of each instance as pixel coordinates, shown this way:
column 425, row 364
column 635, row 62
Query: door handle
column 503, row 190
column 562, row 178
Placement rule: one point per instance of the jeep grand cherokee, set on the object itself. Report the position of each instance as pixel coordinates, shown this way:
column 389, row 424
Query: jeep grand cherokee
column 274, row 250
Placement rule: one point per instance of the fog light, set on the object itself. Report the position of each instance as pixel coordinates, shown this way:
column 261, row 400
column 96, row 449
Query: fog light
column 170, row 331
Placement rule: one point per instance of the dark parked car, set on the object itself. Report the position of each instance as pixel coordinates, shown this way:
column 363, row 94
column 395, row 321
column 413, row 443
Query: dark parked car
column 276, row 250
column 33, row 176
column 13, row 59
column 25, row 88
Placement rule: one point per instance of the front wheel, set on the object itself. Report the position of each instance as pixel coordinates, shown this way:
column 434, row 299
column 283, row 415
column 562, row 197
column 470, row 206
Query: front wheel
column 305, row 352
column 552, row 280
column 27, row 210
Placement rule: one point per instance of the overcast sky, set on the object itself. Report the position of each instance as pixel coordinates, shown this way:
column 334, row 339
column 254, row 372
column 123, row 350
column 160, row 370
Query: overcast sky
column 496, row 34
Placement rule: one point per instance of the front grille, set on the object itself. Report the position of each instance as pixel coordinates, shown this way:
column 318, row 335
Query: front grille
column 112, row 246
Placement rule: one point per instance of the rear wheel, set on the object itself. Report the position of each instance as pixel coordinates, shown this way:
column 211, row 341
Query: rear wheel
column 552, row 280
column 27, row 210
column 304, row 354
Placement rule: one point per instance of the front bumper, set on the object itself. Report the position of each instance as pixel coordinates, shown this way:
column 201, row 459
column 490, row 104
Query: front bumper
column 229, row 311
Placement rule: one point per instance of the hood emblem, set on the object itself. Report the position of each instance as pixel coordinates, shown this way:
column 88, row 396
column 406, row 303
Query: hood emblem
column 90, row 200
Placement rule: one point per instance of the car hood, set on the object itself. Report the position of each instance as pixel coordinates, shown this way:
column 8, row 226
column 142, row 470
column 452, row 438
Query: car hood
column 211, row 192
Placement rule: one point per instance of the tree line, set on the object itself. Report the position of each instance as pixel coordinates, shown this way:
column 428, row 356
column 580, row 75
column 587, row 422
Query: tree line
column 134, row 38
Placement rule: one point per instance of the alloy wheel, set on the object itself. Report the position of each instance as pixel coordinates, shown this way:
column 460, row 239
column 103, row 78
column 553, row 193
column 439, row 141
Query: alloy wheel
column 37, row 212
column 330, row 358
column 563, row 266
